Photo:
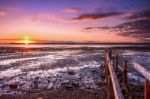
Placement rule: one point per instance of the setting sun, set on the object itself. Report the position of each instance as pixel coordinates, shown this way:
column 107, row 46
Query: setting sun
column 26, row 40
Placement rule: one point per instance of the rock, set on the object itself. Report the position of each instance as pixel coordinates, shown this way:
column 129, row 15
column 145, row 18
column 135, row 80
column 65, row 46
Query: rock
column 13, row 86
column 27, row 86
column 93, row 70
column 71, row 72
column 49, row 86
column 98, row 83
column 70, row 85
column 86, row 86
column 43, row 84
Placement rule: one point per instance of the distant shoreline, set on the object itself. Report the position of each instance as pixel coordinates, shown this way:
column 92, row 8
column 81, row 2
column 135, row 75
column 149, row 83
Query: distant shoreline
column 88, row 43
column 11, row 49
column 81, row 43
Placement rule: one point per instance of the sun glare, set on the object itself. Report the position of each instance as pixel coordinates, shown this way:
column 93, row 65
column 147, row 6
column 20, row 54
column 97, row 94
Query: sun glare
column 26, row 40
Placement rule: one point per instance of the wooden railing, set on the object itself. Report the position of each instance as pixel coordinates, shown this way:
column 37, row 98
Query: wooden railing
column 113, row 86
column 143, row 72
column 146, row 74
column 112, row 80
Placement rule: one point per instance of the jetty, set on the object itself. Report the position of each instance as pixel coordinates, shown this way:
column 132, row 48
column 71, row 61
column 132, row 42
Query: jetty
column 117, row 89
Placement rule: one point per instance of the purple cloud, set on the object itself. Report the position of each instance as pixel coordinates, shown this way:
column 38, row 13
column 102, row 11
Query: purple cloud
column 97, row 15
column 136, row 29
column 91, row 28
column 141, row 14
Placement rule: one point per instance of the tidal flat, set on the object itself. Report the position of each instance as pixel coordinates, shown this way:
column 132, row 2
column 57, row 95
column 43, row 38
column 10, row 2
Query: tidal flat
column 55, row 73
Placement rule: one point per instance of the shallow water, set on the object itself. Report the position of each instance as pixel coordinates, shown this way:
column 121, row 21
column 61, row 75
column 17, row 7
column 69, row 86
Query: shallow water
column 48, row 69
column 39, row 70
column 69, row 45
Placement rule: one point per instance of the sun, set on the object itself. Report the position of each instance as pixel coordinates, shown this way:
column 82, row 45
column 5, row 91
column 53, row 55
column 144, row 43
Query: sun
column 26, row 40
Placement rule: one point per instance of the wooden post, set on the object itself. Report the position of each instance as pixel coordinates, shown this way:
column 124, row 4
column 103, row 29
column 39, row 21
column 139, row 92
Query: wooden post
column 106, row 66
column 113, row 59
column 125, row 72
column 105, row 62
column 116, row 62
column 110, row 54
column 146, row 89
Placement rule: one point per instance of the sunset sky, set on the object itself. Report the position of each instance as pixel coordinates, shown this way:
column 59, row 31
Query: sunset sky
column 75, row 20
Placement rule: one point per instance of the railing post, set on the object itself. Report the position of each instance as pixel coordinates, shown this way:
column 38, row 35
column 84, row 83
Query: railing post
column 110, row 54
column 146, row 89
column 105, row 63
column 125, row 72
column 106, row 66
column 116, row 62
column 113, row 60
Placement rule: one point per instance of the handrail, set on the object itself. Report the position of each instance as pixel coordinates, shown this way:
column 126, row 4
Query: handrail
column 116, row 87
column 146, row 74
column 142, row 70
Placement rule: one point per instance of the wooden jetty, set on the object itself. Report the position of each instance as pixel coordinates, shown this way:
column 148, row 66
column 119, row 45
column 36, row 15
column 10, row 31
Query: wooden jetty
column 114, row 89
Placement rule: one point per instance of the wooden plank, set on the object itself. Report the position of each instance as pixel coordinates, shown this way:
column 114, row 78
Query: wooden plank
column 110, row 88
column 116, row 87
column 142, row 70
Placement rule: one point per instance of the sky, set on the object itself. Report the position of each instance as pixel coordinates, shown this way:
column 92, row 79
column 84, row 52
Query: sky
column 115, row 21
